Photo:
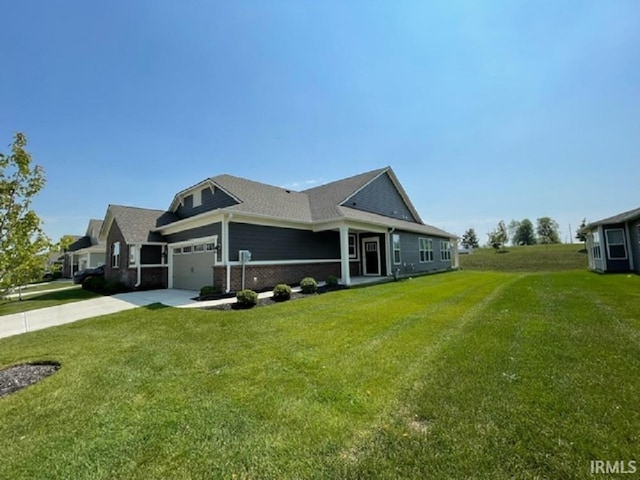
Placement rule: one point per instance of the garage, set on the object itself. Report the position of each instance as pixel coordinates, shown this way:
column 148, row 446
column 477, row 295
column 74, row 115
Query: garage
column 192, row 265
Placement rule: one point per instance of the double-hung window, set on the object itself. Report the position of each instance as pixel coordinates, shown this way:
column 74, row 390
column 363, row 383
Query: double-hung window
column 445, row 250
column 353, row 249
column 596, row 251
column 132, row 254
column 115, row 255
column 616, row 247
column 426, row 249
column 397, row 257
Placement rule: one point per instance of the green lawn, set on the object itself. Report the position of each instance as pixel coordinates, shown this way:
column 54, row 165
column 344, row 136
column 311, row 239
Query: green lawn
column 533, row 258
column 459, row 375
column 47, row 299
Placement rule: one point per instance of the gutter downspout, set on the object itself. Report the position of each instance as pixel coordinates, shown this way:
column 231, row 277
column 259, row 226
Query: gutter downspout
column 137, row 259
column 225, row 249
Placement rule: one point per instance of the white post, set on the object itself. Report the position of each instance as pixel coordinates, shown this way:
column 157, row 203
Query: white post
column 344, row 256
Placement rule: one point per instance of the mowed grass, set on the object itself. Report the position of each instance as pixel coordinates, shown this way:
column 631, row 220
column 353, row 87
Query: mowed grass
column 46, row 299
column 531, row 258
column 460, row 375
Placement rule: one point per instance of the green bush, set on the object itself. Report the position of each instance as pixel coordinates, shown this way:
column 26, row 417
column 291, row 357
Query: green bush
column 111, row 288
column 331, row 281
column 281, row 293
column 94, row 284
column 247, row 298
column 209, row 290
column 308, row 285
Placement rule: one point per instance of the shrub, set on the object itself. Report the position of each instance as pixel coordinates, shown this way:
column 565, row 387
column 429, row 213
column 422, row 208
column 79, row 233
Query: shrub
column 308, row 285
column 331, row 281
column 94, row 284
column 281, row 293
column 247, row 298
column 111, row 288
column 209, row 290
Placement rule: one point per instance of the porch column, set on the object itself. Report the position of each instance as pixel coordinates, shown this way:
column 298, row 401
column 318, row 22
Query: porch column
column 344, row 255
column 456, row 255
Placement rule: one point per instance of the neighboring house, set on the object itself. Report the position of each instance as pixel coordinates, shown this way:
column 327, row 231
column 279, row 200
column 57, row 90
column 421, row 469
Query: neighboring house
column 85, row 252
column 613, row 244
column 360, row 226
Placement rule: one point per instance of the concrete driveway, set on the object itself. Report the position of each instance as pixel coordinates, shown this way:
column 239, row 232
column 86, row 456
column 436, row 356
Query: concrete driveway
column 17, row 323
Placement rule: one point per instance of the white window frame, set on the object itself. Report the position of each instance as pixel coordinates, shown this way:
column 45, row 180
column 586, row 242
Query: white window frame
column 115, row 255
column 353, row 246
column 596, row 249
column 210, row 247
column 445, row 250
column 198, row 248
column 425, row 246
column 189, row 251
column 177, row 250
column 610, row 244
column 132, row 254
column 396, row 248
column 197, row 198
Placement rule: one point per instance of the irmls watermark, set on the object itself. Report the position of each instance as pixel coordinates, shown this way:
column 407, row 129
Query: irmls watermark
column 616, row 466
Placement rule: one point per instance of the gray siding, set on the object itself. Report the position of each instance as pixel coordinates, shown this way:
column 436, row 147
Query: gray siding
column 410, row 255
column 271, row 243
column 151, row 255
column 210, row 201
column 194, row 233
column 381, row 197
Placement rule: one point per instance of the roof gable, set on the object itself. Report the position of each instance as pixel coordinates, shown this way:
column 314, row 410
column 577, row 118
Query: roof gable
column 136, row 224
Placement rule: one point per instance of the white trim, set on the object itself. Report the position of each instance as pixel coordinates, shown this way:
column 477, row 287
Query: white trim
column 426, row 250
column 393, row 249
column 626, row 253
column 286, row 262
column 193, row 241
column 355, row 236
column 445, row 247
column 345, row 266
column 196, row 197
column 364, row 256
column 200, row 220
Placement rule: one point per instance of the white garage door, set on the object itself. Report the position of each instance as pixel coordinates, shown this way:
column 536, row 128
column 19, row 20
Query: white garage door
column 192, row 266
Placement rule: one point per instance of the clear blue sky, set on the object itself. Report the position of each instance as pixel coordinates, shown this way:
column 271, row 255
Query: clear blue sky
column 485, row 110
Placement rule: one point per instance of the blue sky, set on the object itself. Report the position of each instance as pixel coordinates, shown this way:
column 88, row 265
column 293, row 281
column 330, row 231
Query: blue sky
column 485, row 110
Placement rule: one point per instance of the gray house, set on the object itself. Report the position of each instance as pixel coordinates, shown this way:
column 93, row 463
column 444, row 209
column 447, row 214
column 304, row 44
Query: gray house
column 230, row 231
column 613, row 244
column 85, row 252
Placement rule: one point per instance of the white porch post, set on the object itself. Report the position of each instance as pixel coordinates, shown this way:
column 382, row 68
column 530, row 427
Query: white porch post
column 71, row 264
column 344, row 255
column 456, row 256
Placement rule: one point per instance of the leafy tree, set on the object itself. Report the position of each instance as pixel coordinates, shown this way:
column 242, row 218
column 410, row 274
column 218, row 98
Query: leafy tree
column 64, row 243
column 23, row 244
column 581, row 234
column 512, row 228
column 499, row 237
column 470, row 239
column 525, row 234
column 548, row 230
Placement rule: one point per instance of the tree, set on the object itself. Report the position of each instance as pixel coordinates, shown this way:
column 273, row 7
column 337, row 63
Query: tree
column 470, row 239
column 525, row 234
column 512, row 228
column 23, row 244
column 581, row 234
column 499, row 237
column 64, row 243
column 548, row 230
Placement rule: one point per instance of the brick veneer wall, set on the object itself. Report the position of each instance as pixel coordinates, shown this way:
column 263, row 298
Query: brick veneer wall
column 258, row 277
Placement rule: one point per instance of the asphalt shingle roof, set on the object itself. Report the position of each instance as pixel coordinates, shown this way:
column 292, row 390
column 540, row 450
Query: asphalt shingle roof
column 136, row 223
column 619, row 218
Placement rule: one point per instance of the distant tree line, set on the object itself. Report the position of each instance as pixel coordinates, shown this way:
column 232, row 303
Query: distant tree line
column 521, row 232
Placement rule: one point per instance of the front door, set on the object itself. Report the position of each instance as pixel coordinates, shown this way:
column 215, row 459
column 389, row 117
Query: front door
column 371, row 257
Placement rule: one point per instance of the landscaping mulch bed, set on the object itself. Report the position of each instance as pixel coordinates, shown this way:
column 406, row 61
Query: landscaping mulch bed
column 20, row 376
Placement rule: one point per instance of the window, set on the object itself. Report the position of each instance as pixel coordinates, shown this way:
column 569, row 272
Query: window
column 187, row 249
column 616, row 248
column 426, row 249
column 177, row 251
column 132, row 254
column 396, row 249
column 115, row 255
column 197, row 198
column 210, row 247
column 198, row 248
column 445, row 250
column 596, row 251
column 353, row 249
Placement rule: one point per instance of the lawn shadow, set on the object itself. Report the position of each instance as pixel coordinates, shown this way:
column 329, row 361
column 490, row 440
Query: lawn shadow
column 156, row 306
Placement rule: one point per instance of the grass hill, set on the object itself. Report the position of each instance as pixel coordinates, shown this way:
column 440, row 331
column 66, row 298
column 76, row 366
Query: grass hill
column 531, row 258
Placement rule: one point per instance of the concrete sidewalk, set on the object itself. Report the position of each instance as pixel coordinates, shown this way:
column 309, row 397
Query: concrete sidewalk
column 18, row 323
